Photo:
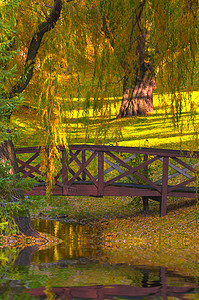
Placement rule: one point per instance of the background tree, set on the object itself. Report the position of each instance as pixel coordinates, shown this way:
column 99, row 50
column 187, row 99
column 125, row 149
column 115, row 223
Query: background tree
column 149, row 42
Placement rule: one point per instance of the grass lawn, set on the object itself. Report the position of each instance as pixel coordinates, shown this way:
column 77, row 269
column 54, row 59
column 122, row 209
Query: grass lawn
column 158, row 129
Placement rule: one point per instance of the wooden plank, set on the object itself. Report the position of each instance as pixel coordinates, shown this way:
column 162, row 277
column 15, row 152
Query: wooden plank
column 163, row 205
column 27, row 150
column 41, row 190
column 64, row 170
column 179, row 171
column 127, row 291
column 85, row 292
column 83, row 167
column 155, row 186
column 105, row 292
column 184, row 183
column 82, row 190
column 131, row 170
column 139, row 150
column 184, row 170
column 145, row 203
column 123, row 149
column 190, row 168
column 116, row 167
column 85, row 170
column 73, row 172
column 32, row 170
column 111, row 187
column 146, row 167
column 83, row 161
column 27, row 162
column 72, row 155
column 114, row 190
column 100, row 174
column 24, row 165
column 59, row 183
column 145, row 200
column 119, row 161
column 183, row 194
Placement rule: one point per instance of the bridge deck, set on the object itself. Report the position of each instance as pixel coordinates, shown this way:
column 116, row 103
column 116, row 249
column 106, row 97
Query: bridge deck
column 93, row 170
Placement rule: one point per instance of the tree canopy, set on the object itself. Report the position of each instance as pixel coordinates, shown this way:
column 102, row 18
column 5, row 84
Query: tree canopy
column 95, row 49
column 96, row 45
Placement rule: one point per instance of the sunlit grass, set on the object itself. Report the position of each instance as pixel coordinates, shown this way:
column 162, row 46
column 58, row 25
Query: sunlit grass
column 158, row 130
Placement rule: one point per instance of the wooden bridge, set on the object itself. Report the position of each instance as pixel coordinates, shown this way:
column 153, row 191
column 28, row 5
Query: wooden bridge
column 93, row 170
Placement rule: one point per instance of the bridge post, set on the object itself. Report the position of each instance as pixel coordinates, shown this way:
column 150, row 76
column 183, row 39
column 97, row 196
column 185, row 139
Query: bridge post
column 64, row 161
column 100, row 190
column 83, row 161
column 163, row 203
column 145, row 199
column 145, row 203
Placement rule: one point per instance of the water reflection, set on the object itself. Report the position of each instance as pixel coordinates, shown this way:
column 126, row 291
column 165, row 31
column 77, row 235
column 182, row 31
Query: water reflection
column 78, row 241
column 70, row 271
column 116, row 292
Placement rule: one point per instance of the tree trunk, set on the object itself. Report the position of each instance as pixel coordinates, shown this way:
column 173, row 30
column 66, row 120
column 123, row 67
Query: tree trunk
column 141, row 100
column 25, row 255
column 7, row 154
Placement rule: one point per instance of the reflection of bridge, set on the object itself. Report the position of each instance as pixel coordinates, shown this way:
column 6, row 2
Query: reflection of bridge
column 92, row 170
column 112, row 291
column 103, row 292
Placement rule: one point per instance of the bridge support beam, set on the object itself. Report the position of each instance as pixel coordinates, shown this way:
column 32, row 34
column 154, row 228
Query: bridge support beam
column 145, row 203
column 100, row 190
column 64, row 161
column 163, row 203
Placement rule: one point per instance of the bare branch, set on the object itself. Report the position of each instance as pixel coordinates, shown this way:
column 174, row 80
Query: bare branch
column 34, row 47
column 136, row 22
column 45, row 14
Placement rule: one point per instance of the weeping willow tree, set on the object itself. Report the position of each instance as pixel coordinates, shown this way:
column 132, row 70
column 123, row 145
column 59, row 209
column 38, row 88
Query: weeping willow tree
column 71, row 55
column 151, row 41
column 10, row 92
column 101, row 49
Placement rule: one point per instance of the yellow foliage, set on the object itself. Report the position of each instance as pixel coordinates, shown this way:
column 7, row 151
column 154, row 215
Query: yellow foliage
column 81, row 64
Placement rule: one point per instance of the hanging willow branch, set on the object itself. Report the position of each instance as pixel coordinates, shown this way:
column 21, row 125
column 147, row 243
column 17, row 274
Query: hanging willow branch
column 34, row 47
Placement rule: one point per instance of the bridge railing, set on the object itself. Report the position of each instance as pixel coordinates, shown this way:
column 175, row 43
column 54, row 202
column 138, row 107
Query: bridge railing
column 117, row 171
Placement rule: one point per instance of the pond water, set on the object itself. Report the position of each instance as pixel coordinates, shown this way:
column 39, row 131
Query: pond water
column 74, row 269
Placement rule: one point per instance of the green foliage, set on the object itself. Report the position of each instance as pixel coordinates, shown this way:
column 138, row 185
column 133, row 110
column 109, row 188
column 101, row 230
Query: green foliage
column 8, row 51
column 10, row 183
column 8, row 69
column 7, row 258
column 11, row 202
column 39, row 205
column 10, row 186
